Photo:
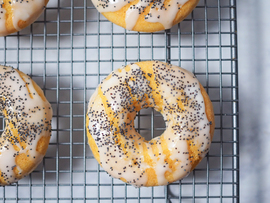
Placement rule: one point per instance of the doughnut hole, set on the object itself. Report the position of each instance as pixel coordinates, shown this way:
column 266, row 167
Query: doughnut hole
column 149, row 123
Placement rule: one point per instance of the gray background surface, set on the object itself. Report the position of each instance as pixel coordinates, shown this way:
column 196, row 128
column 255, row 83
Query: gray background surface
column 254, row 83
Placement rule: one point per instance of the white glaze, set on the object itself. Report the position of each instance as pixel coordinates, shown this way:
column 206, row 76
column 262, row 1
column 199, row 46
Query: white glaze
column 31, row 116
column 157, row 13
column 109, row 152
column 133, row 13
column 165, row 16
column 3, row 29
column 25, row 10
column 111, row 6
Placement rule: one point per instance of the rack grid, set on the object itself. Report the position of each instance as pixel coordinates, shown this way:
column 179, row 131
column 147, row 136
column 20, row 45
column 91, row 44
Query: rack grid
column 71, row 48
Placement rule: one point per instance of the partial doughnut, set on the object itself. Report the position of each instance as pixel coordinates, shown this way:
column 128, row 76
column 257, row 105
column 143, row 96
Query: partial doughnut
column 187, row 112
column 145, row 15
column 15, row 15
column 28, row 116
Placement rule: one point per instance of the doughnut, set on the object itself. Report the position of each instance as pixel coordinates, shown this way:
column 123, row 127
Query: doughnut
column 145, row 15
column 122, row 151
column 15, row 15
column 27, row 132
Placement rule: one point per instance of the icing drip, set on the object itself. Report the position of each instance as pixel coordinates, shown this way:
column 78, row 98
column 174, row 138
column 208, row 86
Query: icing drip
column 164, row 15
column 161, row 11
column 134, row 12
column 24, row 9
column 20, row 10
column 3, row 28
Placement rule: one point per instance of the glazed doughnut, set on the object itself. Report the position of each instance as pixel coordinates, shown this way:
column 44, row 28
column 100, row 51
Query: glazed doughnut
column 187, row 112
column 18, row 14
column 145, row 15
column 28, row 115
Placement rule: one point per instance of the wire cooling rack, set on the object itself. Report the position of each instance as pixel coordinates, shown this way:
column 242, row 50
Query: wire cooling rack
column 71, row 48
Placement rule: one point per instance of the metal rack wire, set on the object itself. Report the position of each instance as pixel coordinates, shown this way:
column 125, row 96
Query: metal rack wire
column 71, row 48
